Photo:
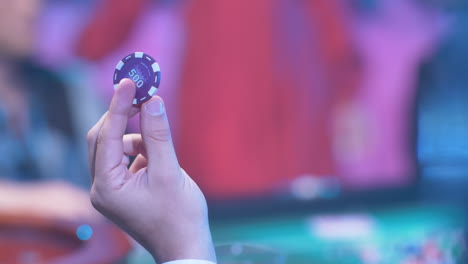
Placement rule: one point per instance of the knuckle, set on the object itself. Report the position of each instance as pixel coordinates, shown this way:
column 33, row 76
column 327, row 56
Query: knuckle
column 99, row 139
column 96, row 199
column 90, row 137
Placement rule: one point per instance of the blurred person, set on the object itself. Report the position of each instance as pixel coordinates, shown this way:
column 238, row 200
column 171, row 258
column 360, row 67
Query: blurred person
column 38, row 138
column 374, row 132
column 36, row 123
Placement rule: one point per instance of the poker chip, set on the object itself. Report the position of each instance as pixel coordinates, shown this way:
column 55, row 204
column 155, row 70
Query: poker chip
column 143, row 70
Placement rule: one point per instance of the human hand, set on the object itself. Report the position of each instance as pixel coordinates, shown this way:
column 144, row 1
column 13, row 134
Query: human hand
column 154, row 199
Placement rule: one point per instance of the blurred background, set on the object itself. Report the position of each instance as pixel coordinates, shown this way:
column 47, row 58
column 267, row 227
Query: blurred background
column 321, row 131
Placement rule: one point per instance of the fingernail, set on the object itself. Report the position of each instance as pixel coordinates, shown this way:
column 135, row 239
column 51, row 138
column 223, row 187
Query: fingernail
column 122, row 81
column 155, row 108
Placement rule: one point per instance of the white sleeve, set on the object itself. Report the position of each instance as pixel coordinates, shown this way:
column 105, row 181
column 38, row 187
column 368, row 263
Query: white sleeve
column 189, row 261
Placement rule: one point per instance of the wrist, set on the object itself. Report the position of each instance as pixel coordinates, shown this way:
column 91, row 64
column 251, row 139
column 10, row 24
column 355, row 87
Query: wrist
column 190, row 261
column 184, row 245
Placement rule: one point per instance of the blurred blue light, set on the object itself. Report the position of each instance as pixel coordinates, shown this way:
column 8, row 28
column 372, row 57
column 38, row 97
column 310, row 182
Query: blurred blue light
column 84, row 232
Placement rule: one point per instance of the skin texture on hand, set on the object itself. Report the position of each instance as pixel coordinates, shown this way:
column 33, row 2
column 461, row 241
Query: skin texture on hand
column 154, row 199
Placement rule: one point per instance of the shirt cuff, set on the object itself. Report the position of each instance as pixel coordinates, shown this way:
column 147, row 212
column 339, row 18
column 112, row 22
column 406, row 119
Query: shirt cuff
column 189, row 261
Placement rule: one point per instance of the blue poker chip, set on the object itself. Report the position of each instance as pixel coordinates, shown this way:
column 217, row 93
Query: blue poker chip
column 143, row 70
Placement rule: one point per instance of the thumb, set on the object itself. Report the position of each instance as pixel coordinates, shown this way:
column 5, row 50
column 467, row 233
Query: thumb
column 157, row 139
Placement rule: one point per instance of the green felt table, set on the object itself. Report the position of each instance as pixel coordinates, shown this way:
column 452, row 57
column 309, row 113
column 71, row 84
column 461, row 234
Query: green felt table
column 393, row 228
column 291, row 235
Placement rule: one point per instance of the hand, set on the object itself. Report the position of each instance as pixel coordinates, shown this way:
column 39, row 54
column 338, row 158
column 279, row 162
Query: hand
column 154, row 199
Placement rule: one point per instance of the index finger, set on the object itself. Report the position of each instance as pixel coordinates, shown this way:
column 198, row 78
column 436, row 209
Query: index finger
column 109, row 150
